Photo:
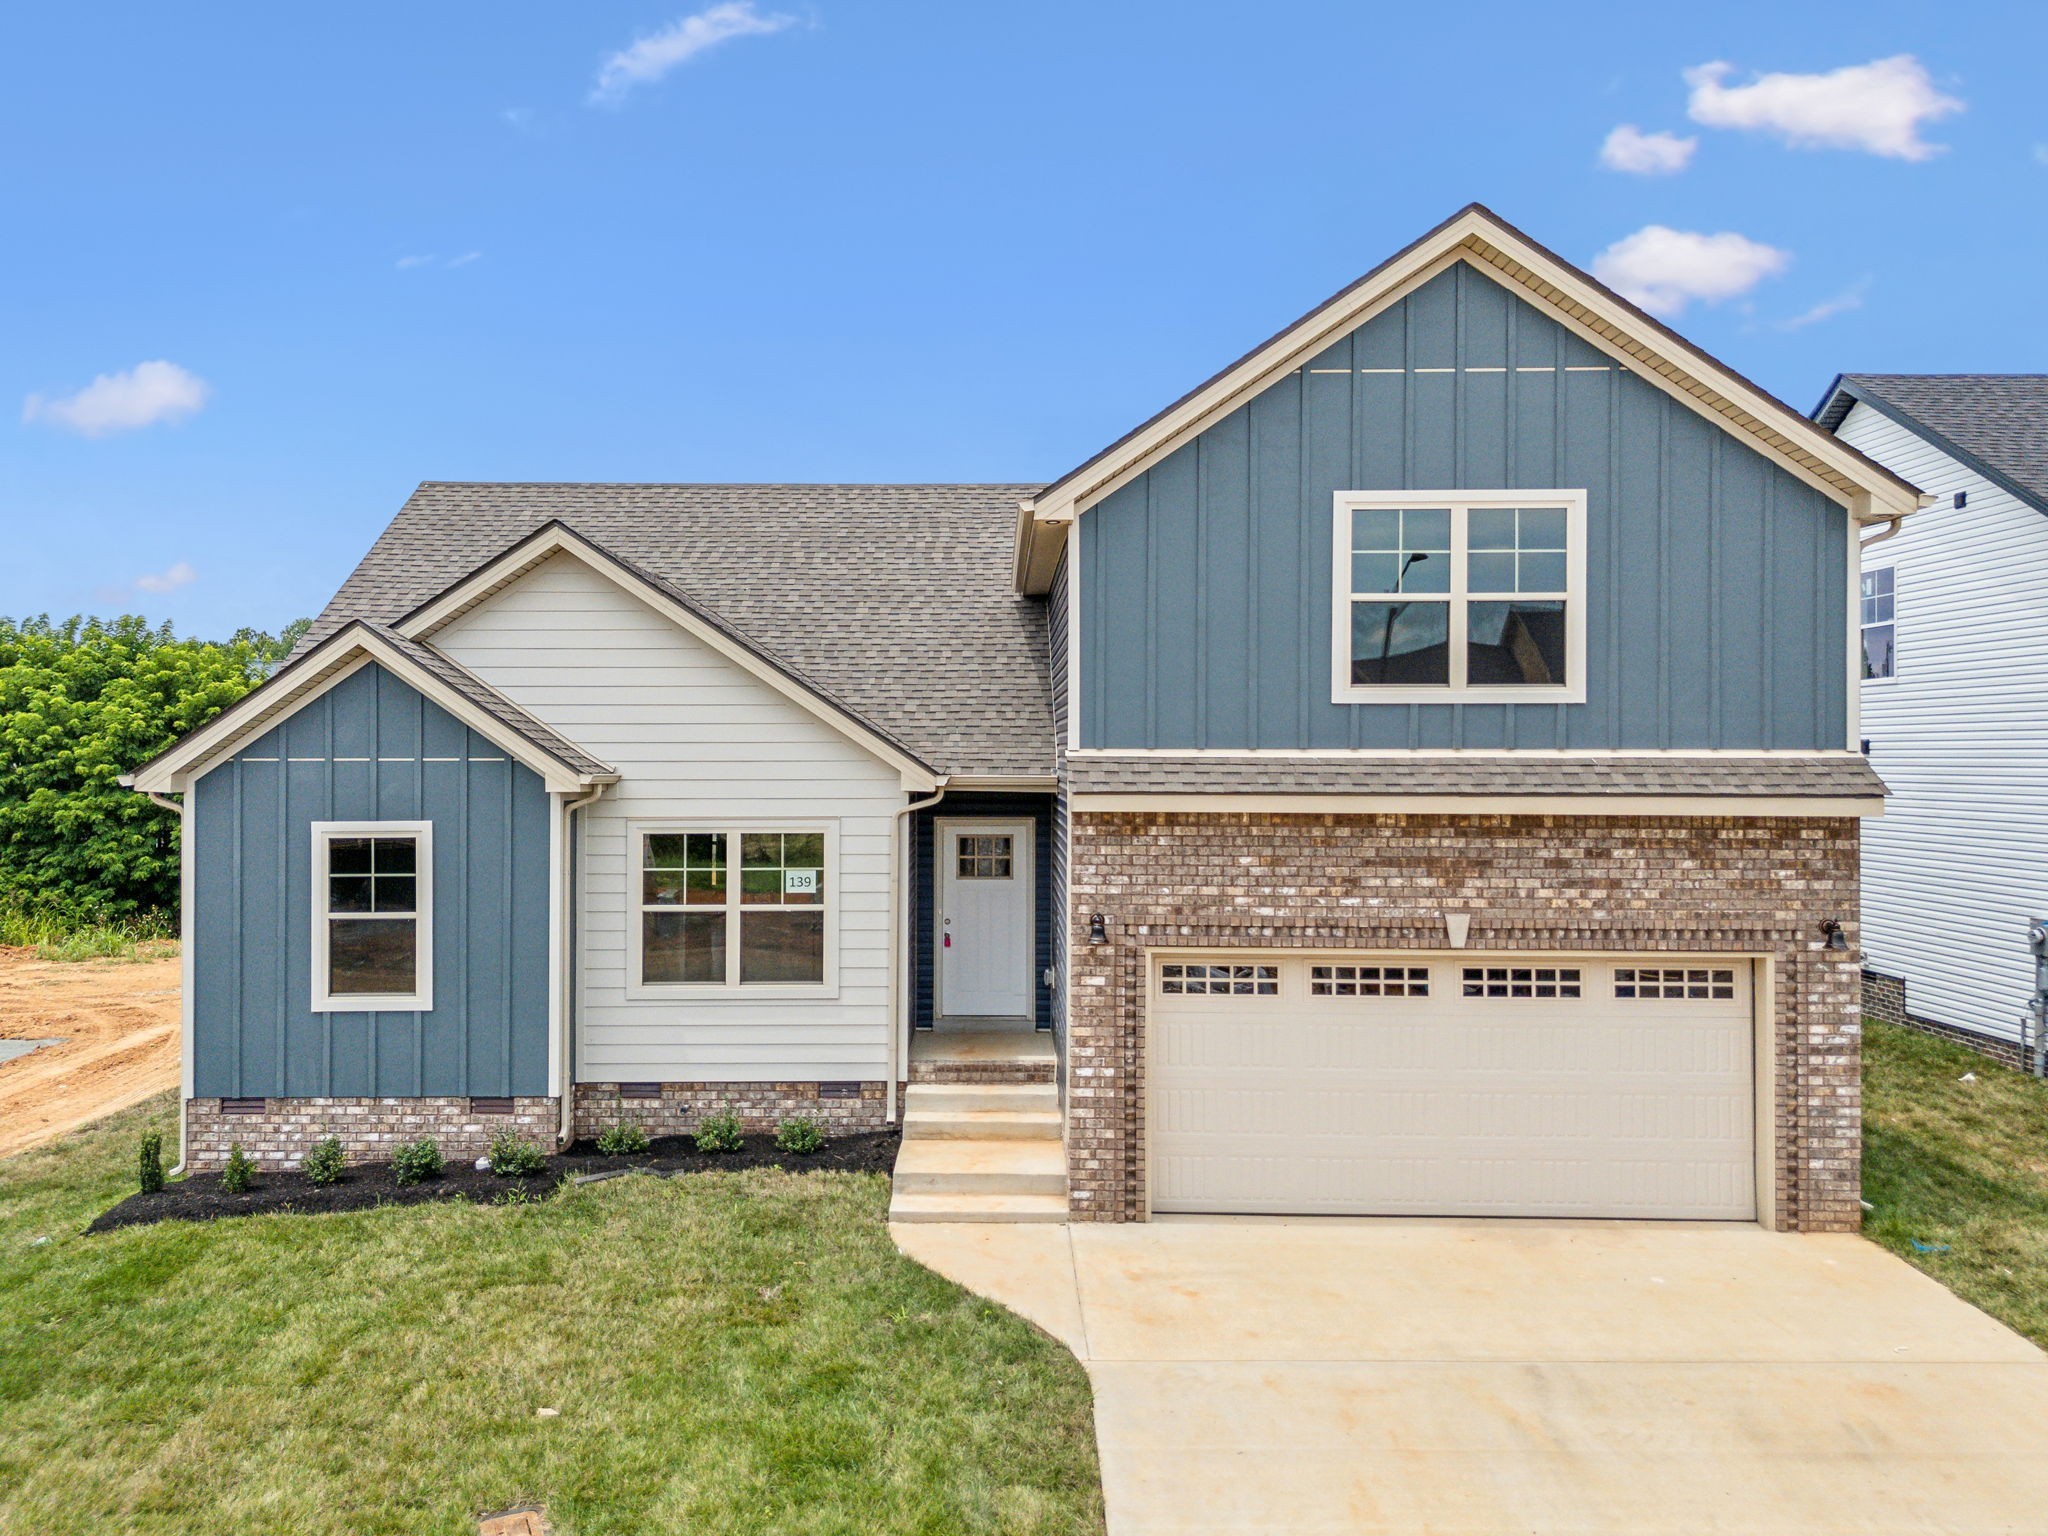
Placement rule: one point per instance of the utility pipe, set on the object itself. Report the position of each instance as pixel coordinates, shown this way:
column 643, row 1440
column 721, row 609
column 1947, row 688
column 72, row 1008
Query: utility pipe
column 899, row 1011
column 571, row 962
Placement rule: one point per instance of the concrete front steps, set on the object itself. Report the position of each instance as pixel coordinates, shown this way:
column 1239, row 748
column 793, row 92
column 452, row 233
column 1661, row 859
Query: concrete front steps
column 978, row 1150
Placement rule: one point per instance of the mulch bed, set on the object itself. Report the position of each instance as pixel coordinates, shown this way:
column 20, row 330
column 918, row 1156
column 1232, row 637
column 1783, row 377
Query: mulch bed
column 199, row 1196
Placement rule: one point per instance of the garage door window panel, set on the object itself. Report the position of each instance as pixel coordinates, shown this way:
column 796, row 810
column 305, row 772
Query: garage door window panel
column 1525, row 982
column 1675, row 983
column 1368, row 981
column 1182, row 980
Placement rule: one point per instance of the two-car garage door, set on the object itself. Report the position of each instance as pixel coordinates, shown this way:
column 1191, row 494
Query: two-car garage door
column 1423, row 1085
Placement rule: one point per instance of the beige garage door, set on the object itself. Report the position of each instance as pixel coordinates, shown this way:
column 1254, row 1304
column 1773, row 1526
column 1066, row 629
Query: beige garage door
column 1478, row 1086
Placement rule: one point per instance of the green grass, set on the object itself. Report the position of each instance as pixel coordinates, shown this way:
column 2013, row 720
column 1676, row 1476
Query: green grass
column 739, row 1352
column 56, row 938
column 1960, row 1167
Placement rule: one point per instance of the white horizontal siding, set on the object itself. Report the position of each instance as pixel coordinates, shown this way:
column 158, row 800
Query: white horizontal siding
column 694, row 737
column 1959, row 861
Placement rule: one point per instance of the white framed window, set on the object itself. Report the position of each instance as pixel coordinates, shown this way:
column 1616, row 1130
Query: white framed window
column 373, row 916
column 733, row 909
column 1879, row 616
column 1467, row 597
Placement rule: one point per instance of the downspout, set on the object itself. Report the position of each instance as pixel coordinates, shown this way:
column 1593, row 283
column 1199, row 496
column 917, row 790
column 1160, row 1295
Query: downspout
column 899, row 997
column 1891, row 526
column 572, row 963
column 184, row 962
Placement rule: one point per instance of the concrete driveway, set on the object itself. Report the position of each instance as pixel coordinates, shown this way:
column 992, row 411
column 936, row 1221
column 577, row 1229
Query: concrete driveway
column 1530, row 1377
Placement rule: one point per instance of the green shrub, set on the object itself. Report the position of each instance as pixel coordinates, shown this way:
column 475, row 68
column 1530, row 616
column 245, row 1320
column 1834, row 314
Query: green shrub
column 323, row 1165
column 240, row 1172
column 623, row 1140
column 513, row 1157
column 150, row 1169
column 417, row 1161
column 719, row 1133
column 799, row 1134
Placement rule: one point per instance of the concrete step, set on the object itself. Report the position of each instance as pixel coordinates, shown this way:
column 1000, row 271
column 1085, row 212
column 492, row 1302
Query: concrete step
column 981, row 1056
column 982, row 1125
column 946, row 1098
column 910, row 1205
column 996, row 1166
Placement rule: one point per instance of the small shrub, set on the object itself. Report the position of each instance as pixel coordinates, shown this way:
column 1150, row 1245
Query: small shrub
column 513, row 1157
column 799, row 1134
column 719, row 1133
column 323, row 1165
column 150, row 1165
column 623, row 1140
column 240, row 1172
column 417, row 1161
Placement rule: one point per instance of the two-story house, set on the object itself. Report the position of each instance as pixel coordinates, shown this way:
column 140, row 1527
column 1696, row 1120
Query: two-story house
column 1415, row 772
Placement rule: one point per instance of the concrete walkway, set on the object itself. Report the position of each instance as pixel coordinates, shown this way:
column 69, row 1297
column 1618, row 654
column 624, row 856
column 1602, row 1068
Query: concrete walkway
column 1457, row 1378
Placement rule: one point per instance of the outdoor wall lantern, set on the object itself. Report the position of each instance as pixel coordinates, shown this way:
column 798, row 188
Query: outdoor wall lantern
column 1098, row 929
column 1837, row 940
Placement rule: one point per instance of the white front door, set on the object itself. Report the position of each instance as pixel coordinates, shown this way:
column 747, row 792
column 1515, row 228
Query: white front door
column 984, row 916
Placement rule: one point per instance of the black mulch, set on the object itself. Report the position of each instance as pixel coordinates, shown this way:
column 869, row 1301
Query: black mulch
column 199, row 1196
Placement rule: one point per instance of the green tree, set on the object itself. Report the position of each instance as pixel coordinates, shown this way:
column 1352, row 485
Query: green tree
column 82, row 702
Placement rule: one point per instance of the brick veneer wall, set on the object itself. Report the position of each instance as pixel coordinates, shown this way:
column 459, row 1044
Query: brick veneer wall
column 679, row 1108
column 1884, row 997
column 1382, row 882
column 369, row 1128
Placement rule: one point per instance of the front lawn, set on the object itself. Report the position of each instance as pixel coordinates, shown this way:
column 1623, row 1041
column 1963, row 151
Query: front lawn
column 728, row 1352
column 1958, row 1171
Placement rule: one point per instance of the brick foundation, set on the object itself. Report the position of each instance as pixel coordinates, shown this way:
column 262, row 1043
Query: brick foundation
column 1884, row 998
column 369, row 1129
column 677, row 1109
column 1382, row 882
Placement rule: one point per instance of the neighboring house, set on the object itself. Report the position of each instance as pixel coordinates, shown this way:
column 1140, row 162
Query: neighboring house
column 1415, row 772
column 1955, row 672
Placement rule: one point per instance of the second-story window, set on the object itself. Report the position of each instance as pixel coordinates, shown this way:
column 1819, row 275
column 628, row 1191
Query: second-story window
column 1880, row 623
column 1459, row 597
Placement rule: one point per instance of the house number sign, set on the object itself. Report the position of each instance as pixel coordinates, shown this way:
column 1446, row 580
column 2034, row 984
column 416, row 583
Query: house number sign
column 800, row 882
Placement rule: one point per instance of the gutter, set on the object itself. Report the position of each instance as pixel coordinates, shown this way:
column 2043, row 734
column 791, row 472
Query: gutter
column 185, row 873
column 899, row 996
column 572, row 965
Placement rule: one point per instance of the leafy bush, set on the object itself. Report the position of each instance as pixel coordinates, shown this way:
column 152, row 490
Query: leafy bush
column 417, row 1161
column 719, row 1133
column 623, row 1140
column 513, row 1157
column 239, row 1173
column 799, row 1134
column 324, row 1164
column 150, row 1165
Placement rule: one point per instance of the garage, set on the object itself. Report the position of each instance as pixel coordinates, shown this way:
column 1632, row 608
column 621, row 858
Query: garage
column 1453, row 1086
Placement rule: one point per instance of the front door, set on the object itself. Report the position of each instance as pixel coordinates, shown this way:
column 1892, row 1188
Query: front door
column 984, row 919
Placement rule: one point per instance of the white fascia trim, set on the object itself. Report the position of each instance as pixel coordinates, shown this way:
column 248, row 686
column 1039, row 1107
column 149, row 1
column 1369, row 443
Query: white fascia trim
column 1036, row 783
column 237, row 726
column 1409, row 754
column 1809, row 807
column 1453, row 243
column 516, row 562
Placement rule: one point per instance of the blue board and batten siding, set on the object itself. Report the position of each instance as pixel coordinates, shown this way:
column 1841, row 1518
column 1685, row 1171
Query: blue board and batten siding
column 1715, row 580
column 369, row 749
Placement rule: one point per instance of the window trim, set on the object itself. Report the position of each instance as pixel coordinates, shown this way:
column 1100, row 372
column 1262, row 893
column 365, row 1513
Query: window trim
column 732, row 989
column 1863, row 628
column 421, row 998
column 1458, row 504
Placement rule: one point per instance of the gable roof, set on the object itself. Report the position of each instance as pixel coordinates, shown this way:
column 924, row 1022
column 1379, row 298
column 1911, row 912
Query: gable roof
column 1996, row 423
column 561, row 764
column 889, row 601
column 1480, row 237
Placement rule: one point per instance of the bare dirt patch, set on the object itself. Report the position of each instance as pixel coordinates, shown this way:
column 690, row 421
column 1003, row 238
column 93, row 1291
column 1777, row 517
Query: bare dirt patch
column 118, row 1020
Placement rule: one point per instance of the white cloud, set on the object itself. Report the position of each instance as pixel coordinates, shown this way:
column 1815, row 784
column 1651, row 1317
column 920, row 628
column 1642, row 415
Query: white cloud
column 411, row 263
column 407, row 263
column 648, row 58
column 118, row 402
column 1878, row 107
column 1849, row 298
column 2041, row 154
column 180, row 574
column 1630, row 149
column 465, row 258
column 1665, row 269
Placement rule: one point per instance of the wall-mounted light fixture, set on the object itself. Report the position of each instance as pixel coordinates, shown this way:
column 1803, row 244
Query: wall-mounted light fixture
column 1098, row 929
column 1837, row 940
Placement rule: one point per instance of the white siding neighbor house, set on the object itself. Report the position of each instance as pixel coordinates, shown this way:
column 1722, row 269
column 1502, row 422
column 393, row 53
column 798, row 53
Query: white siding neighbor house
column 1955, row 696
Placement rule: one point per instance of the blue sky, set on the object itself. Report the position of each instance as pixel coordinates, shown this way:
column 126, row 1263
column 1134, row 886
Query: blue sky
column 319, row 254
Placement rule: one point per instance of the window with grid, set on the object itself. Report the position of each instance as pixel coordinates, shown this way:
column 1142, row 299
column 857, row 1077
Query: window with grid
column 1879, row 613
column 1221, row 980
column 1522, row 981
column 1473, row 597
column 1368, row 981
column 1675, row 983
column 372, row 917
column 732, row 908
column 982, row 856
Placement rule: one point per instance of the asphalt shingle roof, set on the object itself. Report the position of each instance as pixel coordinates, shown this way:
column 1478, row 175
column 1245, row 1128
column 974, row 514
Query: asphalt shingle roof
column 2000, row 420
column 1840, row 775
column 894, row 600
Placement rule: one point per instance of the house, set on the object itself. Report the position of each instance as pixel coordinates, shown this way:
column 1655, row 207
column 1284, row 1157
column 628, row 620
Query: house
column 1415, row 772
column 1954, row 659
